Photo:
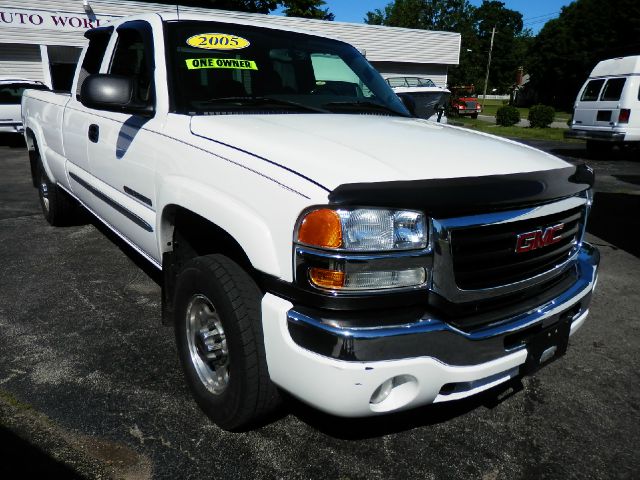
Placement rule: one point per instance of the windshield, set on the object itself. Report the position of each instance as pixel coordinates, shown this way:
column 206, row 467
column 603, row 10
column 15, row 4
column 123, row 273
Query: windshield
column 220, row 68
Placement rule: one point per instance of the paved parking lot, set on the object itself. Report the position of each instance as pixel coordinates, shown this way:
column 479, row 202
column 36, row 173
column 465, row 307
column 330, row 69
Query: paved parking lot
column 90, row 385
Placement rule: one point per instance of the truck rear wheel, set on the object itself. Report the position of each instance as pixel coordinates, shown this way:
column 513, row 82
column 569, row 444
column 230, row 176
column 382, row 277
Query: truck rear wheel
column 57, row 207
column 218, row 329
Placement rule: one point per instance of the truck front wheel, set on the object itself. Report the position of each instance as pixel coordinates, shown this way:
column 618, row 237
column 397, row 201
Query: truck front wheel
column 220, row 343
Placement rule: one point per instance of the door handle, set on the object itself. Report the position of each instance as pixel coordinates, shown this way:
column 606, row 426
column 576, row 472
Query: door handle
column 94, row 133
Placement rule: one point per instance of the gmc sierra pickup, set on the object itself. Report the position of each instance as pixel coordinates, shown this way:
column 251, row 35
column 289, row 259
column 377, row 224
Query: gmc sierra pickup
column 313, row 236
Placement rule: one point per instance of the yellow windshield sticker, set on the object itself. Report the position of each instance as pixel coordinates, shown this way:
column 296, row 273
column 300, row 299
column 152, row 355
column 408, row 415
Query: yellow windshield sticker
column 218, row 41
column 197, row 63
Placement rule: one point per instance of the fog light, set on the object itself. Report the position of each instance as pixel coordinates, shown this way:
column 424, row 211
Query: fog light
column 382, row 392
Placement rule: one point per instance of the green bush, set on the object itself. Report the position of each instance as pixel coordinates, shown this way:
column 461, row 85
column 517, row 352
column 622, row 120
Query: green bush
column 541, row 116
column 507, row 116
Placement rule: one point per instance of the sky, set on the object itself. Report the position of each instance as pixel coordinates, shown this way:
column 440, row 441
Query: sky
column 534, row 12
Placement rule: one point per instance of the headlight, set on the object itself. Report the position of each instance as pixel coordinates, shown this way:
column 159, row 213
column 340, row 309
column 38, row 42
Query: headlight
column 361, row 249
column 363, row 229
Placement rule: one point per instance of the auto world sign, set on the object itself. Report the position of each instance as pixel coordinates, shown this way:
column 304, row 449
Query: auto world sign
column 50, row 20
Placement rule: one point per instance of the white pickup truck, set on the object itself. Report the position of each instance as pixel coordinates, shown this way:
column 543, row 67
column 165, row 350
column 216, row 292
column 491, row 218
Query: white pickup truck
column 313, row 237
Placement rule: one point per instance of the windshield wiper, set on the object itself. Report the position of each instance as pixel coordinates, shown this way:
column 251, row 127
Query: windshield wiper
column 362, row 106
column 262, row 102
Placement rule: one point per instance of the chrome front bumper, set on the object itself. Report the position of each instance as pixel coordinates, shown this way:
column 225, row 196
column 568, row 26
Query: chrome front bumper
column 433, row 337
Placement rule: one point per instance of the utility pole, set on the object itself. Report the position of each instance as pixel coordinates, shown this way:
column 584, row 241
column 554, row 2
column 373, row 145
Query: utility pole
column 486, row 78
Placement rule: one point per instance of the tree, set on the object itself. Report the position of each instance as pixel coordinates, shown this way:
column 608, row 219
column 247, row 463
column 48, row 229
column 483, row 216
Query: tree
column 447, row 15
column 253, row 6
column 567, row 48
column 509, row 46
column 292, row 8
column 474, row 25
column 307, row 9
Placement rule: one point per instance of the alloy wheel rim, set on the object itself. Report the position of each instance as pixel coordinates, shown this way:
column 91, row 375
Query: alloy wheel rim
column 44, row 194
column 207, row 344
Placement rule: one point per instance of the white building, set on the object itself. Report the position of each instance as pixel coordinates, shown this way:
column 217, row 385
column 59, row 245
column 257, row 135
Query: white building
column 41, row 39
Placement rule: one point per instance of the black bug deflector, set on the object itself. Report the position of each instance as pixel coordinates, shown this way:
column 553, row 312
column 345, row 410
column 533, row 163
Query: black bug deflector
column 468, row 195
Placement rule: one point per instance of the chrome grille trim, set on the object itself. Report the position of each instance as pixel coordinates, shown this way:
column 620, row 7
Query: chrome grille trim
column 443, row 277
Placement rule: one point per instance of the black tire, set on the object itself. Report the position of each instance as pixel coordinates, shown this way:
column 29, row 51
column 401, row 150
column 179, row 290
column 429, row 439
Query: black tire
column 596, row 147
column 474, row 115
column 58, row 207
column 234, row 325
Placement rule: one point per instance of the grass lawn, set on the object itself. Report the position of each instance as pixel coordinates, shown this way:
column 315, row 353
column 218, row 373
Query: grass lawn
column 492, row 106
column 552, row 134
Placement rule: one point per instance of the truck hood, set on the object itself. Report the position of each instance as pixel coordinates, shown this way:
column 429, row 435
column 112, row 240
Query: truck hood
column 337, row 149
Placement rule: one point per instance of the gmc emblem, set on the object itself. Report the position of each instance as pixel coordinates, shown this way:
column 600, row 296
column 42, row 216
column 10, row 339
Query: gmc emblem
column 538, row 238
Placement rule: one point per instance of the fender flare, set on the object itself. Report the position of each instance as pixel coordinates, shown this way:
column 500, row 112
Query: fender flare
column 241, row 222
column 39, row 144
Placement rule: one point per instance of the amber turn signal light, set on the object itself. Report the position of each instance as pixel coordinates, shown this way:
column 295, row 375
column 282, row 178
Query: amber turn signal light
column 321, row 228
column 331, row 279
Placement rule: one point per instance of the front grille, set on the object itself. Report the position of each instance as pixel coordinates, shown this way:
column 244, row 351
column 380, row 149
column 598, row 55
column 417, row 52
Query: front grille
column 471, row 105
column 485, row 257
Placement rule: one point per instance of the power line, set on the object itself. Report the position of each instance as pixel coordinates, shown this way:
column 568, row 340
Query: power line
column 536, row 23
column 540, row 16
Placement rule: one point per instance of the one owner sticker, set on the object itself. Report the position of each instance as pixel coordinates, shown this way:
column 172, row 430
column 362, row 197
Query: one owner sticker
column 218, row 41
column 197, row 63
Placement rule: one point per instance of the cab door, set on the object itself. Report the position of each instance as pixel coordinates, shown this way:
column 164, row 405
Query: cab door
column 76, row 118
column 120, row 145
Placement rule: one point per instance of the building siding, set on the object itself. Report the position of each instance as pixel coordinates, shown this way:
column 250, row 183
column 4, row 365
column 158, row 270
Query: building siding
column 389, row 44
column 21, row 61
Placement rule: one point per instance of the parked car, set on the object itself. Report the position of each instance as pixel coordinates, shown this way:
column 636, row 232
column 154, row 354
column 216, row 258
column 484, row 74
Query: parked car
column 10, row 97
column 607, row 108
column 429, row 100
column 312, row 237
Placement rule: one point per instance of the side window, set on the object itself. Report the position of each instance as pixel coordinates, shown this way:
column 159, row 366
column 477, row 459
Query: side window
column 592, row 90
column 613, row 89
column 98, row 41
column 130, row 59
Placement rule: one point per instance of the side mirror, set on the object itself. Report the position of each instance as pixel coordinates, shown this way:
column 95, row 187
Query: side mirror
column 409, row 103
column 114, row 93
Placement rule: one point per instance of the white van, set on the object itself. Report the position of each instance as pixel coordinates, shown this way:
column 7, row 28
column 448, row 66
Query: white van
column 607, row 110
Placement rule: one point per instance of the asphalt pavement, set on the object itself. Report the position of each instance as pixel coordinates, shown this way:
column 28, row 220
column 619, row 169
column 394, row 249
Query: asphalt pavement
column 90, row 385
